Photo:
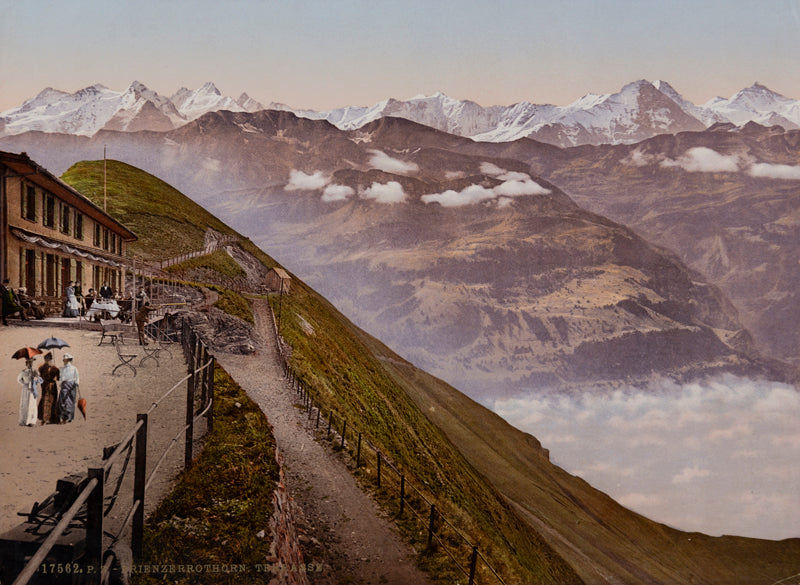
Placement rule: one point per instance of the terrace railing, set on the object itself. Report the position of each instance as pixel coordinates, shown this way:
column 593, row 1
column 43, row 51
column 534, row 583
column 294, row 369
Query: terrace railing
column 92, row 504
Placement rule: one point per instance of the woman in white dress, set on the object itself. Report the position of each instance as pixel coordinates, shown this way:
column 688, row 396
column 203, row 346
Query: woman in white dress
column 28, row 400
column 71, row 307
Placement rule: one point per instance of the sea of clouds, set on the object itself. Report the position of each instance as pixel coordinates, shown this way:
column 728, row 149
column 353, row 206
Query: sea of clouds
column 718, row 457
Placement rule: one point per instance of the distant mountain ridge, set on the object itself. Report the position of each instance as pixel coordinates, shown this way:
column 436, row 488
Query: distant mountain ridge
column 95, row 108
column 640, row 110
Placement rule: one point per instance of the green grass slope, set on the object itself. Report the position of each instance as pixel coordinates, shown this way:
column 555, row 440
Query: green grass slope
column 167, row 222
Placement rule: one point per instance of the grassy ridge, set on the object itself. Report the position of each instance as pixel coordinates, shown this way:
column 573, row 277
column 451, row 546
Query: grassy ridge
column 167, row 222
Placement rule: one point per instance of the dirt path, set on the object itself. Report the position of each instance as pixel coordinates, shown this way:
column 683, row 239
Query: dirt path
column 346, row 531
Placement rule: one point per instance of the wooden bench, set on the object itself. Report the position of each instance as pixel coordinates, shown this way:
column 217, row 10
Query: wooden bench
column 113, row 336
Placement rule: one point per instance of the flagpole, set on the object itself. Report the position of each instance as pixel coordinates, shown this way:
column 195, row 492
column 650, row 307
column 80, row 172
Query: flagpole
column 104, row 178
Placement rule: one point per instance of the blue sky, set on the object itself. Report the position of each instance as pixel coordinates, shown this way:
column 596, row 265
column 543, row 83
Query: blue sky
column 324, row 54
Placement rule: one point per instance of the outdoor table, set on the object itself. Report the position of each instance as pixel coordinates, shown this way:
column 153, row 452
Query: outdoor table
column 105, row 309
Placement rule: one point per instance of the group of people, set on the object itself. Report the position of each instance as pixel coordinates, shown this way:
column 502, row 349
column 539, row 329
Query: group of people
column 17, row 303
column 76, row 303
column 42, row 400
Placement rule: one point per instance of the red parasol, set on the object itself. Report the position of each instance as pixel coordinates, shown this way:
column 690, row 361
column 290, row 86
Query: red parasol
column 26, row 352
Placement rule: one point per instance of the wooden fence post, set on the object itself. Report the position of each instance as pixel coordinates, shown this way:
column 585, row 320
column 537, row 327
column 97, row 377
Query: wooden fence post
column 358, row 451
column 139, row 482
column 473, row 563
column 210, row 394
column 189, row 439
column 432, row 525
column 379, row 469
column 94, row 527
column 344, row 430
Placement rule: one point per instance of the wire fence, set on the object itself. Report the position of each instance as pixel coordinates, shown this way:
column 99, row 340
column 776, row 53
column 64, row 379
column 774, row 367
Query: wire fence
column 86, row 507
column 434, row 529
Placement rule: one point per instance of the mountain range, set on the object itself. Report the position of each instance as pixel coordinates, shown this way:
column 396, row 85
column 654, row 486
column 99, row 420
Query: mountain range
column 470, row 259
column 640, row 110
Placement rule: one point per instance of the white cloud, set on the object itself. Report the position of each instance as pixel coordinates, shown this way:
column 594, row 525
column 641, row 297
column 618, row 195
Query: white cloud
column 452, row 175
column 337, row 193
column 515, row 184
column 689, row 474
column 516, row 188
column 775, row 171
column 467, row 196
column 384, row 162
column 300, row 181
column 637, row 158
column 503, row 202
column 514, row 176
column 491, row 169
column 391, row 192
column 701, row 159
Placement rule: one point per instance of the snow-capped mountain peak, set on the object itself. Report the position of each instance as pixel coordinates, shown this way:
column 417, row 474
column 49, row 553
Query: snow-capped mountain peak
column 640, row 109
column 249, row 104
column 193, row 104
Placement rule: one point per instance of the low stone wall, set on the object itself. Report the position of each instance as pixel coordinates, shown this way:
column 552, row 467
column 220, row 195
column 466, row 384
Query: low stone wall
column 286, row 556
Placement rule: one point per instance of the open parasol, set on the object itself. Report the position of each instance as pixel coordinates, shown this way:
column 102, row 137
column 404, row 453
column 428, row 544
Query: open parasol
column 53, row 343
column 26, row 352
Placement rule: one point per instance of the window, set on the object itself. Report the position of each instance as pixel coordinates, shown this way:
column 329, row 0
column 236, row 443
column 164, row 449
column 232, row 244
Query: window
column 28, row 271
column 78, row 225
column 66, row 215
column 50, row 275
column 29, row 202
column 49, row 219
column 97, row 235
column 105, row 238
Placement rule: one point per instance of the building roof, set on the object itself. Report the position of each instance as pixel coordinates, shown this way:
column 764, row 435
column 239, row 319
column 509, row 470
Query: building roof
column 282, row 274
column 22, row 165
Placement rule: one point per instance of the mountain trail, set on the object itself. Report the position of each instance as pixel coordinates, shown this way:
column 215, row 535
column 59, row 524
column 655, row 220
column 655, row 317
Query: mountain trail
column 341, row 526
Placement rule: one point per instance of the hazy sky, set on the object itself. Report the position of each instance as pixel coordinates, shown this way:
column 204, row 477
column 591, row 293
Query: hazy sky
column 323, row 54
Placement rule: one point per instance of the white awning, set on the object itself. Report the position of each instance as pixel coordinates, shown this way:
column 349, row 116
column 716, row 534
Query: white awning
column 61, row 246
